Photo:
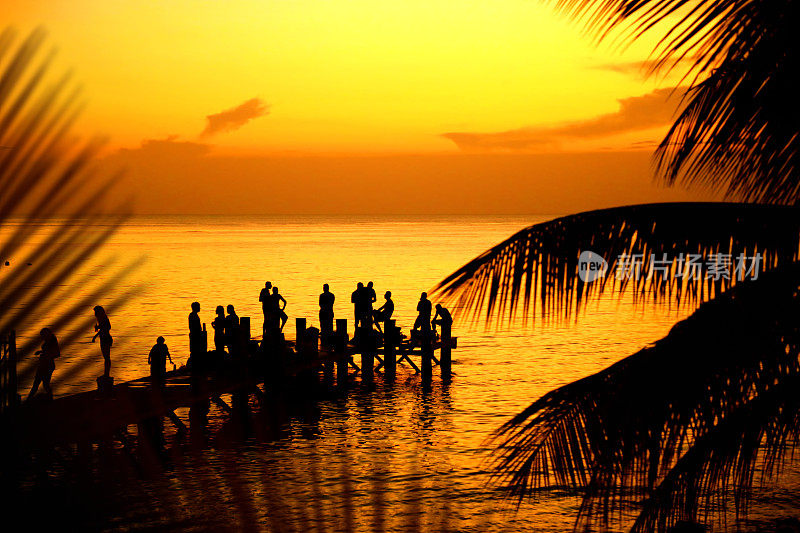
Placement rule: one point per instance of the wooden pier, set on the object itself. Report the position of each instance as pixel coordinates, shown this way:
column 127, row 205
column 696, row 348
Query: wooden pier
column 307, row 364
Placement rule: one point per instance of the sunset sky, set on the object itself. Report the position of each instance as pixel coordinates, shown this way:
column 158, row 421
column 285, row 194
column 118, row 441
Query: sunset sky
column 245, row 96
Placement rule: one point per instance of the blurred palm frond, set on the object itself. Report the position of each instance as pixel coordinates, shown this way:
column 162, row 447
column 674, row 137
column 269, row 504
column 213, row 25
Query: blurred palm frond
column 680, row 423
column 738, row 128
column 55, row 212
column 646, row 246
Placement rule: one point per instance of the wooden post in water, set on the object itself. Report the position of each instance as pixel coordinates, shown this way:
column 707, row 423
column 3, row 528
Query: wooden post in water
column 244, row 328
column 445, row 356
column 389, row 356
column 300, row 331
column 342, row 360
column 427, row 356
column 367, row 346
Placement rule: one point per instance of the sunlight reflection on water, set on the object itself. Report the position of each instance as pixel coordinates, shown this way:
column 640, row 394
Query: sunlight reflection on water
column 393, row 458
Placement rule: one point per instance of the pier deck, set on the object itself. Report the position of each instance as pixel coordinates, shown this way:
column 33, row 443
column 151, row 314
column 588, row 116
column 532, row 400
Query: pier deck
column 102, row 415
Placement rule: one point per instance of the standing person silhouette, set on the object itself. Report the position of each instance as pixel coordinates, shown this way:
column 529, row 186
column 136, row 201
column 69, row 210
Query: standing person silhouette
column 326, row 300
column 231, row 328
column 384, row 312
column 219, row 329
column 369, row 298
column 195, row 330
column 277, row 308
column 357, row 298
column 103, row 329
column 157, row 359
column 44, row 371
column 264, row 298
column 424, row 317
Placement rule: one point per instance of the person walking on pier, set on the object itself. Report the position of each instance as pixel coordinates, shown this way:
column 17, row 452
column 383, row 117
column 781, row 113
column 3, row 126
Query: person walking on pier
column 277, row 311
column 326, row 300
column 47, row 365
column 424, row 313
column 264, row 298
column 219, row 330
column 384, row 312
column 157, row 360
column 103, row 329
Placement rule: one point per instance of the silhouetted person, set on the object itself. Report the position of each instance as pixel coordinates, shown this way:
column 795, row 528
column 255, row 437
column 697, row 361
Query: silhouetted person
column 357, row 299
column 219, row 329
column 326, row 300
column 264, row 298
column 231, row 328
column 369, row 298
column 384, row 312
column 278, row 309
column 47, row 356
column 442, row 316
column 195, row 333
column 103, row 329
column 424, row 313
column 157, row 359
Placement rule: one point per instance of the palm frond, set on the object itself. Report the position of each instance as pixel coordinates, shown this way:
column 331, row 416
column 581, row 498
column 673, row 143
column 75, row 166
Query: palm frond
column 646, row 246
column 50, row 201
column 652, row 423
column 739, row 129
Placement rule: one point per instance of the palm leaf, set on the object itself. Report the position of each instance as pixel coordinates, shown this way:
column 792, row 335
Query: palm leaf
column 739, row 128
column 539, row 265
column 654, row 422
column 50, row 204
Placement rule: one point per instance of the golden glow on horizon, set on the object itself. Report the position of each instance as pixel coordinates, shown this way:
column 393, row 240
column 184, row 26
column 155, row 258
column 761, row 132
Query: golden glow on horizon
column 339, row 76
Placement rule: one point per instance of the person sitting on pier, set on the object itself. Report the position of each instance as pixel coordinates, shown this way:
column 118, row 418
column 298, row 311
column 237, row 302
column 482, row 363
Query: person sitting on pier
column 442, row 317
column 423, row 320
column 157, row 359
column 277, row 311
column 47, row 355
column 357, row 299
column 103, row 329
column 231, row 328
column 219, row 330
column 326, row 300
column 384, row 312
column 264, row 298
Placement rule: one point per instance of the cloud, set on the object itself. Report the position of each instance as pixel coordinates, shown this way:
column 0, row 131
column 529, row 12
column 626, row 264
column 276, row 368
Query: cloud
column 168, row 147
column 644, row 68
column 234, row 118
column 636, row 113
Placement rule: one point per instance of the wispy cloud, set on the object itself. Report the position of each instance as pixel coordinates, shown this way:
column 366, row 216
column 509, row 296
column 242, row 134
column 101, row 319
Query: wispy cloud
column 636, row 113
column 234, row 118
column 644, row 68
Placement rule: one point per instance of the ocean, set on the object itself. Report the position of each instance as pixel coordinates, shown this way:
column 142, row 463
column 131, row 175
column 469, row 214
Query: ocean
column 390, row 458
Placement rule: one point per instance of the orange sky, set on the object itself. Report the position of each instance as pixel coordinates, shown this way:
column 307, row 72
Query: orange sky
column 261, row 92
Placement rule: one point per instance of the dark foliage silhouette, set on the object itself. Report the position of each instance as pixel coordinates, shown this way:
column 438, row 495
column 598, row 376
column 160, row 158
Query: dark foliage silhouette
column 55, row 212
column 680, row 424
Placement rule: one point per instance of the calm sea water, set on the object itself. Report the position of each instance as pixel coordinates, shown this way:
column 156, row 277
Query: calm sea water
column 392, row 458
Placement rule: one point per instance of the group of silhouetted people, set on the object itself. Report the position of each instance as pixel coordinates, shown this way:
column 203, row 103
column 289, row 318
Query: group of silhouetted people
column 272, row 305
column 50, row 351
column 226, row 329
